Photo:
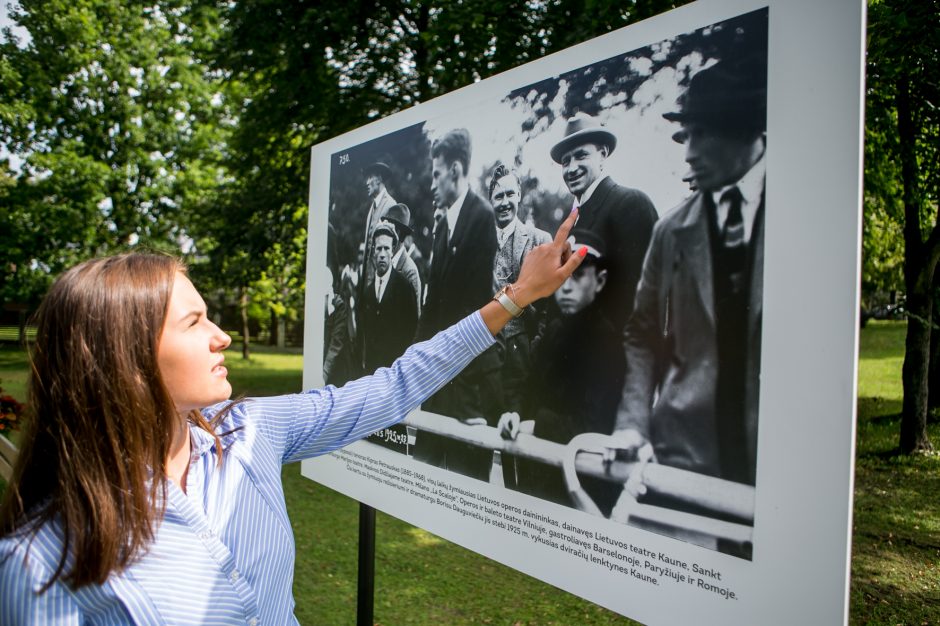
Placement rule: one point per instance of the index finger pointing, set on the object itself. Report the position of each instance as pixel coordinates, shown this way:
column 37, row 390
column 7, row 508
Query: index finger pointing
column 561, row 236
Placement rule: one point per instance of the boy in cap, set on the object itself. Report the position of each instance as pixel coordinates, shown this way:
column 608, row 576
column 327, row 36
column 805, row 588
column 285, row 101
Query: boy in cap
column 575, row 380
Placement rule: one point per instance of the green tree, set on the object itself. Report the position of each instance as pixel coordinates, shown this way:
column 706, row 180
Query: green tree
column 118, row 125
column 903, row 172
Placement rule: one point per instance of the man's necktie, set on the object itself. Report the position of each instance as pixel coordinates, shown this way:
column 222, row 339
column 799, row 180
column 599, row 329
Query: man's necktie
column 378, row 288
column 733, row 239
column 733, row 233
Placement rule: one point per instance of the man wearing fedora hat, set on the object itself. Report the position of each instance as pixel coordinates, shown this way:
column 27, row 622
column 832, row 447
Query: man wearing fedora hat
column 399, row 216
column 377, row 176
column 622, row 216
column 693, row 343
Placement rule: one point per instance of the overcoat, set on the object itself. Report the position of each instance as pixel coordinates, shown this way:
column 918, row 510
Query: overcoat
column 671, row 344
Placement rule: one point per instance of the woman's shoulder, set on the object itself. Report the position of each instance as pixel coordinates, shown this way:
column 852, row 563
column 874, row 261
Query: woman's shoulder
column 34, row 552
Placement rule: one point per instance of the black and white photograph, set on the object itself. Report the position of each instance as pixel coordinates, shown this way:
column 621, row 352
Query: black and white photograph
column 635, row 429
column 654, row 342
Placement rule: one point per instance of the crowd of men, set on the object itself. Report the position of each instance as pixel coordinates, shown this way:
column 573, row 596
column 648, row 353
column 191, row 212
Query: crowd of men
column 655, row 339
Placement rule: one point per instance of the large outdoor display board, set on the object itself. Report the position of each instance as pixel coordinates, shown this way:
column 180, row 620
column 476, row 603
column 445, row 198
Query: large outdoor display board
column 725, row 336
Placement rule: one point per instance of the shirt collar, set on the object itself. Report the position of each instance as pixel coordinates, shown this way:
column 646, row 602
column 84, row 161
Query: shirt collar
column 590, row 190
column 453, row 212
column 503, row 233
column 751, row 186
column 202, row 441
column 380, row 197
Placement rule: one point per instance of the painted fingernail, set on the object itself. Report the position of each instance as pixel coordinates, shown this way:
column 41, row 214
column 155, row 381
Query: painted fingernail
column 582, row 251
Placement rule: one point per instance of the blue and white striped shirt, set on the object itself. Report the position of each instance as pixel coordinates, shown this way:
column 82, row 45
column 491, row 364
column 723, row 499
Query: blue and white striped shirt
column 224, row 552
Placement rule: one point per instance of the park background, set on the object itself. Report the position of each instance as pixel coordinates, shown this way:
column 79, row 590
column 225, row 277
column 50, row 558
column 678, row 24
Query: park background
column 186, row 125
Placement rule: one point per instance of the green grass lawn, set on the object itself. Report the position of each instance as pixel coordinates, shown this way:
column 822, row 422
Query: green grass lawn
column 422, row 579
column 13, row 369
column 896, row 533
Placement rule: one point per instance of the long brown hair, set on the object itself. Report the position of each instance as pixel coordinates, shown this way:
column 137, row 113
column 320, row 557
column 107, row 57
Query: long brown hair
column 100, row 419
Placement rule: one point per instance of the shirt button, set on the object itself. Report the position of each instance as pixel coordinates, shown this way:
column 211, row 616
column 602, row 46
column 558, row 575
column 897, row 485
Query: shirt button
column 234, row 575
column 254, row 621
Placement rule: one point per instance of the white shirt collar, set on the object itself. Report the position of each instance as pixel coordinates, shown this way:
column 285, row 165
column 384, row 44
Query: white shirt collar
column 453, row 212
column 381, row 282
column 590, row 190
column 503, row 233
column 380, row 197
column 751, row 186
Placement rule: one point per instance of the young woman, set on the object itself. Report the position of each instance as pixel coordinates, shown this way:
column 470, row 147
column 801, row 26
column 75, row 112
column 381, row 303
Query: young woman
column 141, row 495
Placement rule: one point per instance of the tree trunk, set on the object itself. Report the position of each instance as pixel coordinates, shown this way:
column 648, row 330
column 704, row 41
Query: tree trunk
column 920, row 260
column 914, row 375
column 243, row 309
column 275, row 338
column 933, row 376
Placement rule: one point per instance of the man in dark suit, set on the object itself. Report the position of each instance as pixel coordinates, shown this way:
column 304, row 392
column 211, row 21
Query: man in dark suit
column 622, row 216
column 693, row 343
column 461, row 275
column 459, row 278
column 389, row 312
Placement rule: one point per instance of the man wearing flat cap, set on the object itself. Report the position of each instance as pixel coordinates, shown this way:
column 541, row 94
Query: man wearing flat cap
column 693, row 343
column 377, row 176
column 388, row 315
column 399, row 216
column 622, row 216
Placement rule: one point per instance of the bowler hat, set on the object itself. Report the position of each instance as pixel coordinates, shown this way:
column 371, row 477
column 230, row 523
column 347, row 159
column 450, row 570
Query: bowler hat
column 725, row 97
column 399, row 215
column 581, row 129
column 379, row 169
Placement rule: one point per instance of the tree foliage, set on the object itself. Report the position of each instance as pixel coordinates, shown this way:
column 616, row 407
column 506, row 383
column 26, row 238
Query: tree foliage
column 118, row 126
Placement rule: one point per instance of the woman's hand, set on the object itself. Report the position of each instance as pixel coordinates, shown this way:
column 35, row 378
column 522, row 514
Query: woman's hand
column 546, row 267
column 543, row 271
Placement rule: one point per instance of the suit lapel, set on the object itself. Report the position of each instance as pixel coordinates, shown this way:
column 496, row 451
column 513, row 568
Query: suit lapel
column 460, row 229
column 692, row 256
column 756, row 303
column 520, row 240
column 590, row 211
